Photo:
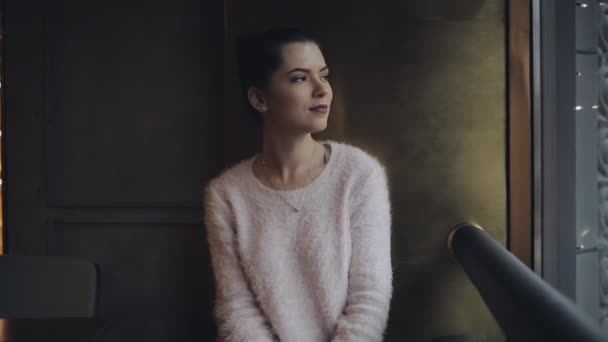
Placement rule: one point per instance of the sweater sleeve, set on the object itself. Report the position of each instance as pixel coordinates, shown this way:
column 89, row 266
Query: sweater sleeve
column 237, row 313
column 370, row 276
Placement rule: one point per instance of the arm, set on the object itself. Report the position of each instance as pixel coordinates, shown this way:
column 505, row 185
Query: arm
column 370, row 275
column 238, row 316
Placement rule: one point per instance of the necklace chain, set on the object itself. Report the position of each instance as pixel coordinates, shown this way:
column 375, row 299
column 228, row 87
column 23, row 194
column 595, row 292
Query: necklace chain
column 295, row 208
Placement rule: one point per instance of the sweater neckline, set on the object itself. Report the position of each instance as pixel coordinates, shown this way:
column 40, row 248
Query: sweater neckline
column 295, row 193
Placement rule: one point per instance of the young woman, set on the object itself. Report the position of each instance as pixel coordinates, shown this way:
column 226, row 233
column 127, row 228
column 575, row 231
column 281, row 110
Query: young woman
column 299, row 234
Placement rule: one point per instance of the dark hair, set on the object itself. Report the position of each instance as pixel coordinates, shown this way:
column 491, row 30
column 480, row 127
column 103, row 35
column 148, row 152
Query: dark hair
column 258, row 55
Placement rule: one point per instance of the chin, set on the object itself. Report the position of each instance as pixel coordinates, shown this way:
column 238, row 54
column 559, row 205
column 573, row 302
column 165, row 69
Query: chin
column 318, row 126
column 311, row 126
column 321, row 128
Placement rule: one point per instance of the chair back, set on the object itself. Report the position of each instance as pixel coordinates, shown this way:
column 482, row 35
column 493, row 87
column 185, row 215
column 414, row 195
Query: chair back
column 47, row 287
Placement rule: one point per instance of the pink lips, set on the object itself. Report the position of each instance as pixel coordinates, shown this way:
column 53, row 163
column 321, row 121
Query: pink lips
column 320, row 109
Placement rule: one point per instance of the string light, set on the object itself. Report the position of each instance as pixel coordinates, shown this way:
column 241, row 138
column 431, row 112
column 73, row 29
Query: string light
column 579, row 74
column 581, row 4
column 595, row 107
column 578, row 107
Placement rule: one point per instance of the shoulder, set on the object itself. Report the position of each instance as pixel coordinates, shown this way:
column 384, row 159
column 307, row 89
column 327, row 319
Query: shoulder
column 229, row 180
column 366, row 177
column 356, row 160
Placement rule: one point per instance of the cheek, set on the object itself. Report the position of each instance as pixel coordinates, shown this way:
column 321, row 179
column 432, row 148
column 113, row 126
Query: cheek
column 291, row 98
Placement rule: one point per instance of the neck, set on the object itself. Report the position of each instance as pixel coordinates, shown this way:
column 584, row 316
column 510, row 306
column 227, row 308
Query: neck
column 287, row 155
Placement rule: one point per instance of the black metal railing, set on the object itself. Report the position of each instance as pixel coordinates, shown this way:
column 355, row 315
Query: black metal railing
column 525, row 306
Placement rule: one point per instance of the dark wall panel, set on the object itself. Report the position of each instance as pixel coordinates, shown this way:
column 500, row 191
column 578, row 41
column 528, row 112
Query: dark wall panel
column 151, row 289
column 111, row 129
column 133, row 94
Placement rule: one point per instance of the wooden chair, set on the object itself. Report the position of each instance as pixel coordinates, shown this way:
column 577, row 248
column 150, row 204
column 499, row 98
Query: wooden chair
column 47, row 287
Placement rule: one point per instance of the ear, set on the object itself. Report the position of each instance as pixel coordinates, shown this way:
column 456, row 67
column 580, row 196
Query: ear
column 257, row 100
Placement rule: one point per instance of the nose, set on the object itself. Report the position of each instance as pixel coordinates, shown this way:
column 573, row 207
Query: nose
column 321, row 88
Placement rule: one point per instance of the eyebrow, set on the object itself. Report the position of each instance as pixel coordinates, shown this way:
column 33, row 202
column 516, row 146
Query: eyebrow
column 306, row 70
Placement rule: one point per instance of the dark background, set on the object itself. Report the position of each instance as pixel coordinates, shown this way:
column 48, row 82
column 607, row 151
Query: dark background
column 118, row 112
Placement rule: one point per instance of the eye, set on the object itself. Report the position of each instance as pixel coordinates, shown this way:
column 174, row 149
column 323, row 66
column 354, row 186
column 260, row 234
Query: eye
column 298, row 79
column 326, row 77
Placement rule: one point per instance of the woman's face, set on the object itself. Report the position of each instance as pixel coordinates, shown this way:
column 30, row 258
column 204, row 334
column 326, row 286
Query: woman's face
column 299, row 95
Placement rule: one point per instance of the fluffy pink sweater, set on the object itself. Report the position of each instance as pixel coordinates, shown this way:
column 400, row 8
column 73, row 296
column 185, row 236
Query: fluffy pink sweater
column 322, row 273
